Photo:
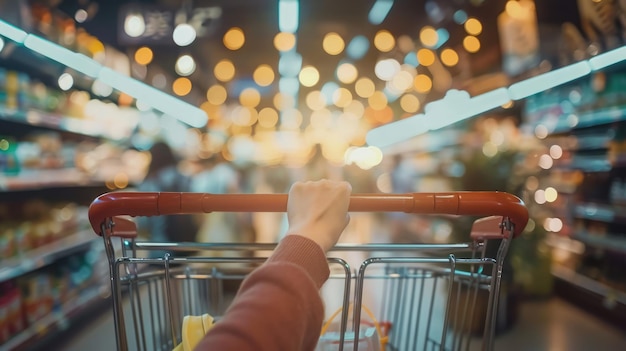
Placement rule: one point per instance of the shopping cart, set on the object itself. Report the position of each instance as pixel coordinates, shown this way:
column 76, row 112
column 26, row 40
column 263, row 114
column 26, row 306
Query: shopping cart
column 401, row 296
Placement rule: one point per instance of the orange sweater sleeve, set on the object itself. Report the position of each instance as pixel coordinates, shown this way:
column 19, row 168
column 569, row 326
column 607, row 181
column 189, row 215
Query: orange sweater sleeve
column 278, row 306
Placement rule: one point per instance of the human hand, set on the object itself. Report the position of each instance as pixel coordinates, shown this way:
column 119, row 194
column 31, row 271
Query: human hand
column 319, row 211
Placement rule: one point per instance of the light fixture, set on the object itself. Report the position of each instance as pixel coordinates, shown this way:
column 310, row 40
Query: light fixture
column 309, row 76
column 379, row 11
column 333, row 44
column 184, row 34
column 357, row 48
column 81, row 16
column 284, row 41
column 234, row 39
column 134, row 25
column 144, row 55
column 288, row 15
column 185, row 65
column 66, row 81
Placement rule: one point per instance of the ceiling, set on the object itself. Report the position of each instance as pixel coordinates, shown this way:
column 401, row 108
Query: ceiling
column 259, row 21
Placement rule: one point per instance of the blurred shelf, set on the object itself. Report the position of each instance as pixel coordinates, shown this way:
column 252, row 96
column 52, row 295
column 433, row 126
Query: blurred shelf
column 589, row 284
column 586, row 163
column 587, row 119
column 46, row 178
column 600, row 212
column 59, row 319
column 611, row 242
column 596, row 212
column 597, row 118
column 56, row 122
column 45, row 255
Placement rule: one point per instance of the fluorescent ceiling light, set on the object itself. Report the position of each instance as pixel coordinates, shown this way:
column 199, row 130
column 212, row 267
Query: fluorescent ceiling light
column 11, row 32
column 78, row 62
column 379, row 11
column 395, row 132
column 357, row 48
column 537, row 84
column 456, row 106
column 159, row 100
column 608, row 58
column 288, row 15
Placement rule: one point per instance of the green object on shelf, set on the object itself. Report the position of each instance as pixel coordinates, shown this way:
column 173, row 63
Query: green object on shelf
column 9, row 163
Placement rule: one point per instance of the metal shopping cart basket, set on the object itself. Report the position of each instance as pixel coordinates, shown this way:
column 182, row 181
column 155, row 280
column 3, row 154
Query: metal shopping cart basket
column 398, row 296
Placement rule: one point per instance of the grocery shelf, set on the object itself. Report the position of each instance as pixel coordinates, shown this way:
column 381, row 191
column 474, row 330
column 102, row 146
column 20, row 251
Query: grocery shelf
column 45, row 255
column 55, row 121
column 34, row 179
column 586, row 120
column 599, row 212
column 58, row 319
column 587, row 164
column 609, row 242
column 589, row 284
column 600, row 117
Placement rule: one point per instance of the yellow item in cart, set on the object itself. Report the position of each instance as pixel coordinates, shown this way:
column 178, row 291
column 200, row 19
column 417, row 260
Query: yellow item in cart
column 194, row 329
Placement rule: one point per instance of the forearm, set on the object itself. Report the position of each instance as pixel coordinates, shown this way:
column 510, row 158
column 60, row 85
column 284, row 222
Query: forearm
column 278, row 307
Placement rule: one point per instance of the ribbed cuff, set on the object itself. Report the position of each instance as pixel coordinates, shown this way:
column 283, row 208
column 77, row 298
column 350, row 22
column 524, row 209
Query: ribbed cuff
column 305, row 253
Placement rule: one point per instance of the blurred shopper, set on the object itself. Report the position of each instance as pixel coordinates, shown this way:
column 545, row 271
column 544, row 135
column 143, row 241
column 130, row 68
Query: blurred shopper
column 163, row 175
column 278, row 306
column 271, row 226
column 404, row 179
column 219, row 177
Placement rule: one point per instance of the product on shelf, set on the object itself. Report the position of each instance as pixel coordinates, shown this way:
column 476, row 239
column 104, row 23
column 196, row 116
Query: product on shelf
column 35, row 223
column 11, row 316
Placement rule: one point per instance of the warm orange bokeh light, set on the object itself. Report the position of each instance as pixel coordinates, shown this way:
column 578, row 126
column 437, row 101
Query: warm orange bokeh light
column 181, row 86
column 234, row 38
column 449, row 57
column 144, row 55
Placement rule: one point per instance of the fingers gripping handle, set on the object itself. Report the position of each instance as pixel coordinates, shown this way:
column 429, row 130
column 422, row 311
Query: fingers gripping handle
column 481, row 203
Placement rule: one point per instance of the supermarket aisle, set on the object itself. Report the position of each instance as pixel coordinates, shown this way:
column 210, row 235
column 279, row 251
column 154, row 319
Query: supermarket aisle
column 552, row 324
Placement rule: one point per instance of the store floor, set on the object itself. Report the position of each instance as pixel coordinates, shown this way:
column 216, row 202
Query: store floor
column 551, row 324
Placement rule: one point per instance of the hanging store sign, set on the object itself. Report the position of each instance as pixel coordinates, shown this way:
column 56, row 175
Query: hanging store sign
column 154, row 25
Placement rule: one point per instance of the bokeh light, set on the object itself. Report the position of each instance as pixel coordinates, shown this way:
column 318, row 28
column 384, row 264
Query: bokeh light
column 473, row 26
column 471, row 44
column 425, row 57
column 429, row 36
column 384, row 41
column 268, row 117
column 284, row 41
column 234, row 38
column 263, row 75
column 144, row 55
column 309, row 76
column 347, row 73
column 410, row 103
column 449, row 57
column 181, row 86
column 224, row 70
column 250, row 97
column 422, row 83
column 333, row 44
column 315, row 100
column 216, row 94
column 342, row 97
column 377, row 101
column 364, row 87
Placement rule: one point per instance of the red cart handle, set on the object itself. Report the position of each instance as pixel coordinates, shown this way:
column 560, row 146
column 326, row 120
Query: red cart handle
column 474, row 203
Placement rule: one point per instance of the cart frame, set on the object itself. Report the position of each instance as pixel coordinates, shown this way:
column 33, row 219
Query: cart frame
column 508, row 217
